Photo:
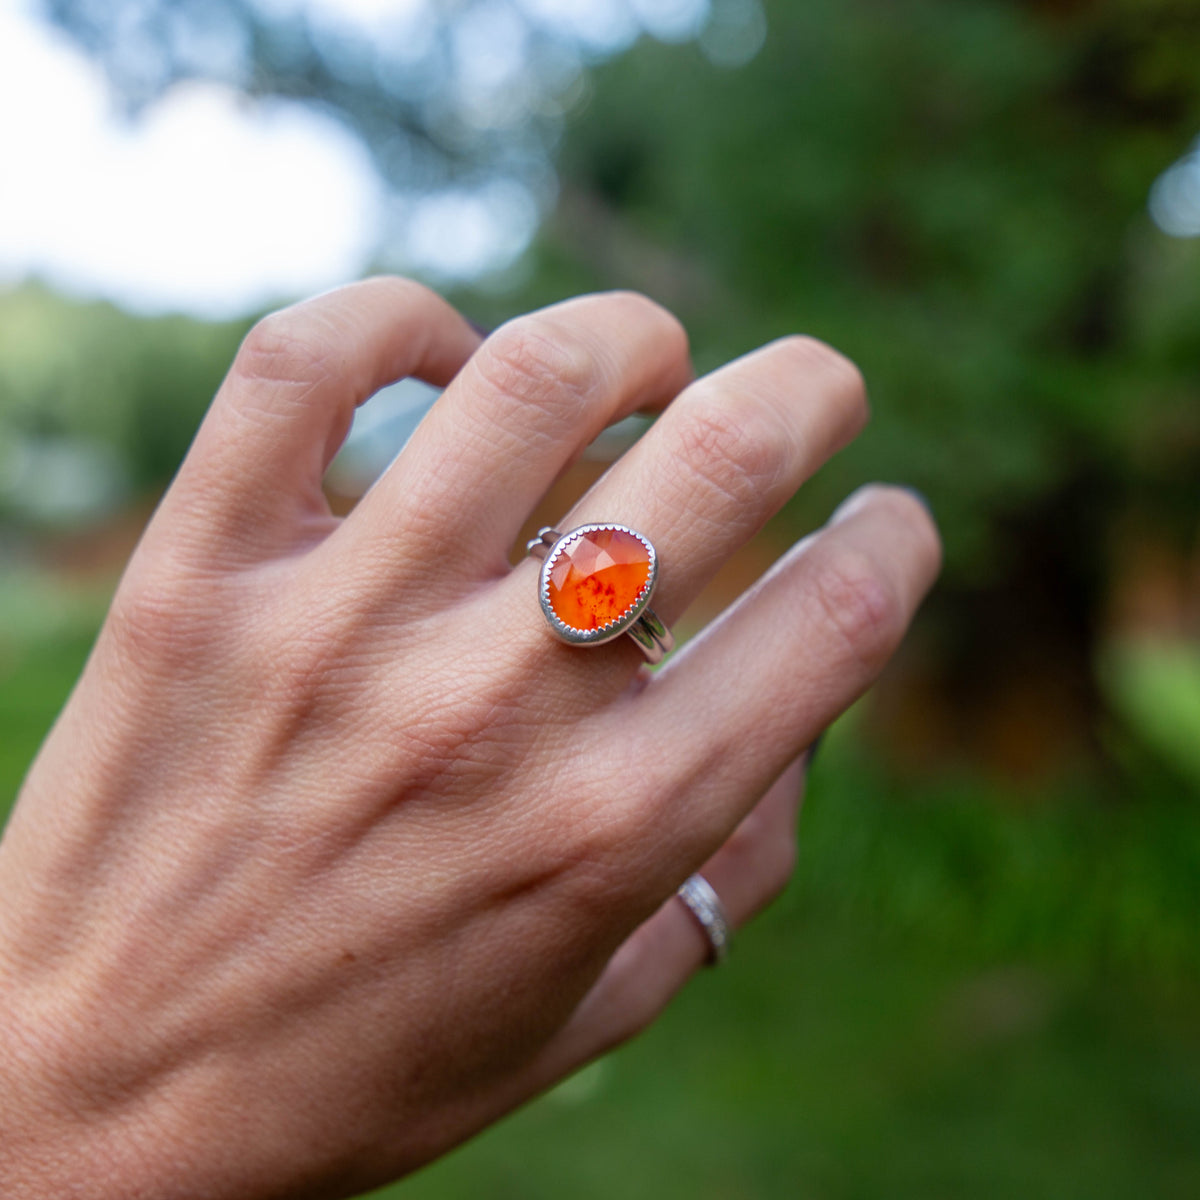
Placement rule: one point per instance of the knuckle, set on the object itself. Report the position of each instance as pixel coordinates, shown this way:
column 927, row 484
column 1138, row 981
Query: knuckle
column 817, row 359
column 738, row 454
column 639, row 300
column 669, row 331
column 399, row 286
column 898, row 501
column 155, row 623
column 851, row 598
column 539, row 363
column 287, row 347
column 912, row 514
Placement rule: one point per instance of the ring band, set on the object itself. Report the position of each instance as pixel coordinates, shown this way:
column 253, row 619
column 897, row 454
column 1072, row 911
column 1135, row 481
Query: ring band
column 705, row 905
column 595, row 584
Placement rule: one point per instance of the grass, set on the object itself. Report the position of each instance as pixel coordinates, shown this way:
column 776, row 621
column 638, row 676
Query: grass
column 43, row 646
column 956, row 997
column 829, row 1061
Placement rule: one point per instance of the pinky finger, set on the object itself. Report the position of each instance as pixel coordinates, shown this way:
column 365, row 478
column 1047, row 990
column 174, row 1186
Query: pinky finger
column 663, row 953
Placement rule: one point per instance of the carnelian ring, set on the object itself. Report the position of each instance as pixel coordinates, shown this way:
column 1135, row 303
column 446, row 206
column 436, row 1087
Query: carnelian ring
column 595, row 584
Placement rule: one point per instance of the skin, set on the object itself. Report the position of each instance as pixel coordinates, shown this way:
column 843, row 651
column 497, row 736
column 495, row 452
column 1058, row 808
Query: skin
column 335, row 854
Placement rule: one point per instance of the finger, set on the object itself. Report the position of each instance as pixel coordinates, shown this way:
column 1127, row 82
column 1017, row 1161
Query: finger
column 286, row 405
column 663, row 953
column 659, row 957
column 793, row 653
column 725, row 456
column 536, row 393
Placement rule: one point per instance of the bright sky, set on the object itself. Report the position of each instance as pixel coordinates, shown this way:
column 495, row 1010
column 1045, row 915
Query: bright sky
column 216, row 206
column 1175, row 197
column 206, row 205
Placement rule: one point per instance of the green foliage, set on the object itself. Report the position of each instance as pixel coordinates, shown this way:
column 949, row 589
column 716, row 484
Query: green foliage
column 955, row 998
column 94, row 375
column 1068, row 875
column 834, row 1062
column 955, row 195
column 1155, row 685
column 45, row 635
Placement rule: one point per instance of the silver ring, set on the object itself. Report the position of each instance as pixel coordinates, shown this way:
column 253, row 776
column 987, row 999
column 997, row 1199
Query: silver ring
column 705, row 905
column 595, row 585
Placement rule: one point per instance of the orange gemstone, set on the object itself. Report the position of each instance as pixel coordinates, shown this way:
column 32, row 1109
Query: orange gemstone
column 598, row 577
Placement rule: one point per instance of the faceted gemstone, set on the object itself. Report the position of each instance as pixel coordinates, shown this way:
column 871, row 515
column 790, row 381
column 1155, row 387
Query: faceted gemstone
column 598, row 577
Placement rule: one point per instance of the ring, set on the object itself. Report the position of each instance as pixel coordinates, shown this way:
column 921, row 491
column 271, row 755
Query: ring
column 595, row 585
column 705, row 905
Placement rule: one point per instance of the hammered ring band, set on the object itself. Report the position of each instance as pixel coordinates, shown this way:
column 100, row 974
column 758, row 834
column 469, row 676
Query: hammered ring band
column 702, row 901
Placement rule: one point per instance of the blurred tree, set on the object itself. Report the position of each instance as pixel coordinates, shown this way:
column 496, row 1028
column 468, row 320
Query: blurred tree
column 452, row 97
column 954, row 194
column 406, row 93
column 87, row 378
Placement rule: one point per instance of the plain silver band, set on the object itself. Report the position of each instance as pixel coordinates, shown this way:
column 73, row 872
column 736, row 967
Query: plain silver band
column 705, row 905
column 652, row 636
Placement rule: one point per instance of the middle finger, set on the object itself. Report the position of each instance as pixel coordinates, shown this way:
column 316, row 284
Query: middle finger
column 523, row 407
column 725, row 456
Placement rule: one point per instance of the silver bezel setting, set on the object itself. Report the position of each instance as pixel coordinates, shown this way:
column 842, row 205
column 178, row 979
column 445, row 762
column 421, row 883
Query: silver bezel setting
column 614, row 629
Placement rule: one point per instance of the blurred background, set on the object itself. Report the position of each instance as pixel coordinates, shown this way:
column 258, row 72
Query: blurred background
column 985, row 978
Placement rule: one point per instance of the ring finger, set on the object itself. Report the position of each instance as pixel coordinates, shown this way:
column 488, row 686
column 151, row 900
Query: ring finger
column 725, row 456
column 666, row 950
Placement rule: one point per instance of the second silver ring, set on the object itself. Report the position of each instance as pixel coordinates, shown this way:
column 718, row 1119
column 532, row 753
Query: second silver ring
column 701, row 900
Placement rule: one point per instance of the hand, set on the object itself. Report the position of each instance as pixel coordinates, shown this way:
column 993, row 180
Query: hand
column 335, row 854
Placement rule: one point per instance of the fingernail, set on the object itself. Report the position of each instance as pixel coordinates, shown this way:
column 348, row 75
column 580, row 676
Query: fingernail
column 479, row 329
column 814, row 746
column 918, row 496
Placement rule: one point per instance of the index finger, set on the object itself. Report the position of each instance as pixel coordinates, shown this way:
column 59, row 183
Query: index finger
column 253, row 477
